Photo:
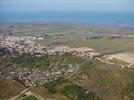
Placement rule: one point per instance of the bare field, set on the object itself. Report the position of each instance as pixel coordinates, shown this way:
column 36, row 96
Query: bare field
column 80, row 49
column 127, row 57
column 9, row 88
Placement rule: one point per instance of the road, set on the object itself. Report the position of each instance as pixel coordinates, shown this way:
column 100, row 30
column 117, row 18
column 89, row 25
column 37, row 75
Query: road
column 17, row 96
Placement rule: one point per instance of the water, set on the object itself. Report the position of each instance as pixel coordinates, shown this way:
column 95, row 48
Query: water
column 120, row 19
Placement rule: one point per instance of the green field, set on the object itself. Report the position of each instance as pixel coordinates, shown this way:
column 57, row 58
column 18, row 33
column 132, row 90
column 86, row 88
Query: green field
column 103, row 45
column 31, row 97
column 75, row 36
column 47, row 30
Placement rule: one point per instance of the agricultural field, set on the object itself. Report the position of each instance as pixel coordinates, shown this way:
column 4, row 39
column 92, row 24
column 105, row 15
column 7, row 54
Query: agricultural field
column 103, row 40
column 102, row 45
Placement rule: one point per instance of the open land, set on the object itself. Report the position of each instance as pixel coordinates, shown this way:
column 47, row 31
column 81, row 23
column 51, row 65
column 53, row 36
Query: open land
column 66, row 62
column 128, row 57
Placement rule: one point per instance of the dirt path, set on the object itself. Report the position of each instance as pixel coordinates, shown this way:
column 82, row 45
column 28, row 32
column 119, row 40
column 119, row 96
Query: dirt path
column 17, row 96
column 80, row 49
column 127, row 57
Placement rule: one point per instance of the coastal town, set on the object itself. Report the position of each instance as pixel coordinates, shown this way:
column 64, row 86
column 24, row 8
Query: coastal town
column 16, row 46
column 31, row 77
column 66, row 49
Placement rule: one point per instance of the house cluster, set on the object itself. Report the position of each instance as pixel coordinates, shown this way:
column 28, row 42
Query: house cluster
column 37, row 76
column 28, row 45
column 21, row 44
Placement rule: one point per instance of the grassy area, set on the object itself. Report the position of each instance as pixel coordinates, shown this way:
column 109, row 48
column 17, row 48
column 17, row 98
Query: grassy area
column 105, row 45
column 102, row 45
column 56, row 61
column 108, row 81
column 31, row 97
column 40, row 90
column 78, row 39
column 75, row 92
column 70, row 90
column 99, row 79
column 4, row 61
column 58, row 29
column 117, row 61
column 93, row 81
column 48, row 30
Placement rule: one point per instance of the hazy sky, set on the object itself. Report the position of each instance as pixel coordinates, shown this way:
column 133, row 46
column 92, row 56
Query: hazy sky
column 65, row 5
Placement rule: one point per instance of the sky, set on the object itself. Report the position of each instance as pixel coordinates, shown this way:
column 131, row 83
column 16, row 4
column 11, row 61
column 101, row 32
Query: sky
column 66, row 5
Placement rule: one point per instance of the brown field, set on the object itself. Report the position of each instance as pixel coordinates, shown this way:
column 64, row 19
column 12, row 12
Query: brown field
column 127, row 57
column 9, row 88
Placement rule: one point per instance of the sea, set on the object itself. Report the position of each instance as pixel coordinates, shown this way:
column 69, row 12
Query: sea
column 123, row 20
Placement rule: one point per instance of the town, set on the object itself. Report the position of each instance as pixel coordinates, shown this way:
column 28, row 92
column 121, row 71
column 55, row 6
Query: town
column 16, row 46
